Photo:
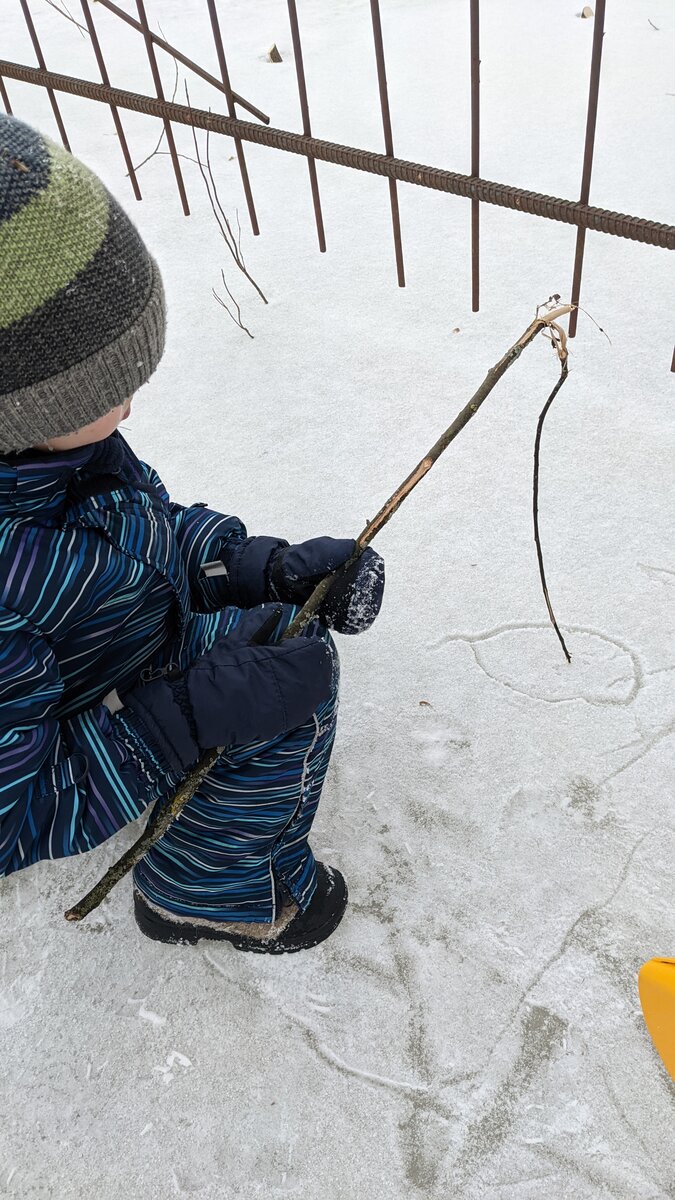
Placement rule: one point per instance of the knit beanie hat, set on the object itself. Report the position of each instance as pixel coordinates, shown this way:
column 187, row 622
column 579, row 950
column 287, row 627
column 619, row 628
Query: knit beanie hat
column 81, row 300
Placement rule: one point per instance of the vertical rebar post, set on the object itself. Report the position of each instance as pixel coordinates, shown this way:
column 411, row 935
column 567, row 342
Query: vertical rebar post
column 86, row 11
column 475, row 153
column 150, row 50
column 388, row 139
column 306, row 125
column 5, row 97
column 225, row 76
column 41, row 62
column 589, row 144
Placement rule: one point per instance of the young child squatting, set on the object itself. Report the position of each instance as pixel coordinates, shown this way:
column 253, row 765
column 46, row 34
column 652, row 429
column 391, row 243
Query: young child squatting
column 127, row 621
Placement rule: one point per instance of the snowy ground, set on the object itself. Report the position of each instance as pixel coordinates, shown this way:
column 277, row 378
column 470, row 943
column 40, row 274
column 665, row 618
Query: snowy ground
column 504, row 820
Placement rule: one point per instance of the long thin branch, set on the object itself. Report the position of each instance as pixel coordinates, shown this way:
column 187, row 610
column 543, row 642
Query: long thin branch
column 233, row 244
column 236, row 248
column 535, row 504
column 546, row 322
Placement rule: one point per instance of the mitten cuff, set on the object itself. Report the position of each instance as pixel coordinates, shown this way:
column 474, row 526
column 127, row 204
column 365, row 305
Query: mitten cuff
column 157, row 716
column 247, row 565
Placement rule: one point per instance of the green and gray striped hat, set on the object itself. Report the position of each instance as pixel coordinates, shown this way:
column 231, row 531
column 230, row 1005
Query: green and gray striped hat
column 81, row 300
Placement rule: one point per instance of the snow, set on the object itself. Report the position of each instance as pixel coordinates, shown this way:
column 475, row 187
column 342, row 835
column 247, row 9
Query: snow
column 504, row 820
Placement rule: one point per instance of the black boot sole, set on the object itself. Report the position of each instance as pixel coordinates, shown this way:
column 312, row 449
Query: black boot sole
column 162, row 929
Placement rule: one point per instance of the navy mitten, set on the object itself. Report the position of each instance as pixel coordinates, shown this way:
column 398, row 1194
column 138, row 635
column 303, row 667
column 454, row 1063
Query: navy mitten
column 238, row 692
column 265, row 568
column 355, row 598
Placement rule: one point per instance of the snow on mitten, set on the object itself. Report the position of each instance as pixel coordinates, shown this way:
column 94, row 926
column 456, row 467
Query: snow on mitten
column 355, row 598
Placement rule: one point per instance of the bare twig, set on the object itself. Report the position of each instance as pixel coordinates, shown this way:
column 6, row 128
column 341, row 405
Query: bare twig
column 163, row 133
column 535, row 504
column 232, row 242
column 543, row 322
column 167, row 154
column 597, row 325
column 219, row 212
column 64, row 12
column 237, row 320
column 152, row 153
column 235, row 243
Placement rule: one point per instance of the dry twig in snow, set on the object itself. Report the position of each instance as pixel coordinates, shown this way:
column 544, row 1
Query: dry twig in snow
column 558, row 338
column 237, row 320
column 163, row 133
column 227, row 233
column 64, row 12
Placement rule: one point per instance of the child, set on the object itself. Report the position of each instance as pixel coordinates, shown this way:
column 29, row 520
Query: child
column 128, row 623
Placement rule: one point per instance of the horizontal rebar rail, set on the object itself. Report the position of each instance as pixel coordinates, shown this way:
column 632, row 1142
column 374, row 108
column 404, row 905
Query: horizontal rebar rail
column 585, row 216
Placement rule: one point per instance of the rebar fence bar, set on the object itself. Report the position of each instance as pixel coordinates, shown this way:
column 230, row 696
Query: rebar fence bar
column 475, row 153
column 4, row 97
column 41, row 60
column 306, row 124
column 86, row 12
column 571, row 212
column 478, row 190
column 157, row 80
column 589, row 146
column 388, row 137
column 224, row 75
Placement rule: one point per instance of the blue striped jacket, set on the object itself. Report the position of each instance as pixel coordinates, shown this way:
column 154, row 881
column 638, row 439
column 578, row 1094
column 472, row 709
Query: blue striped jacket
column 99, row 574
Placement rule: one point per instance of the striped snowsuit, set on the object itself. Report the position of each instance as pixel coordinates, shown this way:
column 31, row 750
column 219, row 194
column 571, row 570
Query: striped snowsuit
column 101, row 585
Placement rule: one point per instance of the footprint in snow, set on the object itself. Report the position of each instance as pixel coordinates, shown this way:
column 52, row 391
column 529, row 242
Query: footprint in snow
column 440, row 737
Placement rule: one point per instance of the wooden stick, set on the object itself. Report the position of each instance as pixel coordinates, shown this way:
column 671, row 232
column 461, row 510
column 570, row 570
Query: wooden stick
column 169, row 812
column 535, row 505
column 546, row 320
column 151, row 834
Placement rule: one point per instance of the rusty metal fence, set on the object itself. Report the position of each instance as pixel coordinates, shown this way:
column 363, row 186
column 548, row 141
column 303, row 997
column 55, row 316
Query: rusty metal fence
column 478, row 190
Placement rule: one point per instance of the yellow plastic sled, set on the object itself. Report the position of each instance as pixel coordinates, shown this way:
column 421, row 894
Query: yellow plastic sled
column 656, row 983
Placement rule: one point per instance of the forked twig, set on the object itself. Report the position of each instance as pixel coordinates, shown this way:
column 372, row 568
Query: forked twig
column 237, row 320
column 163, row 133
column 546, row 322
column 233, row 243
column 64, row 12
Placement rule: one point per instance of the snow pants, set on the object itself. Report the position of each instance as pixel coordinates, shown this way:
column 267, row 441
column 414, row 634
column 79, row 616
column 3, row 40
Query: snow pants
column 250, row 819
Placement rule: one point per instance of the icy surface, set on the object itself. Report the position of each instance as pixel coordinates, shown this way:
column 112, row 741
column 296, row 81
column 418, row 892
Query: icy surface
column 504, row 820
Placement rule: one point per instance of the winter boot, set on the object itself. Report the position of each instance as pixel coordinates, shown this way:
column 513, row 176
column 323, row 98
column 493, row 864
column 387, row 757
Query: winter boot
column 292, row 930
